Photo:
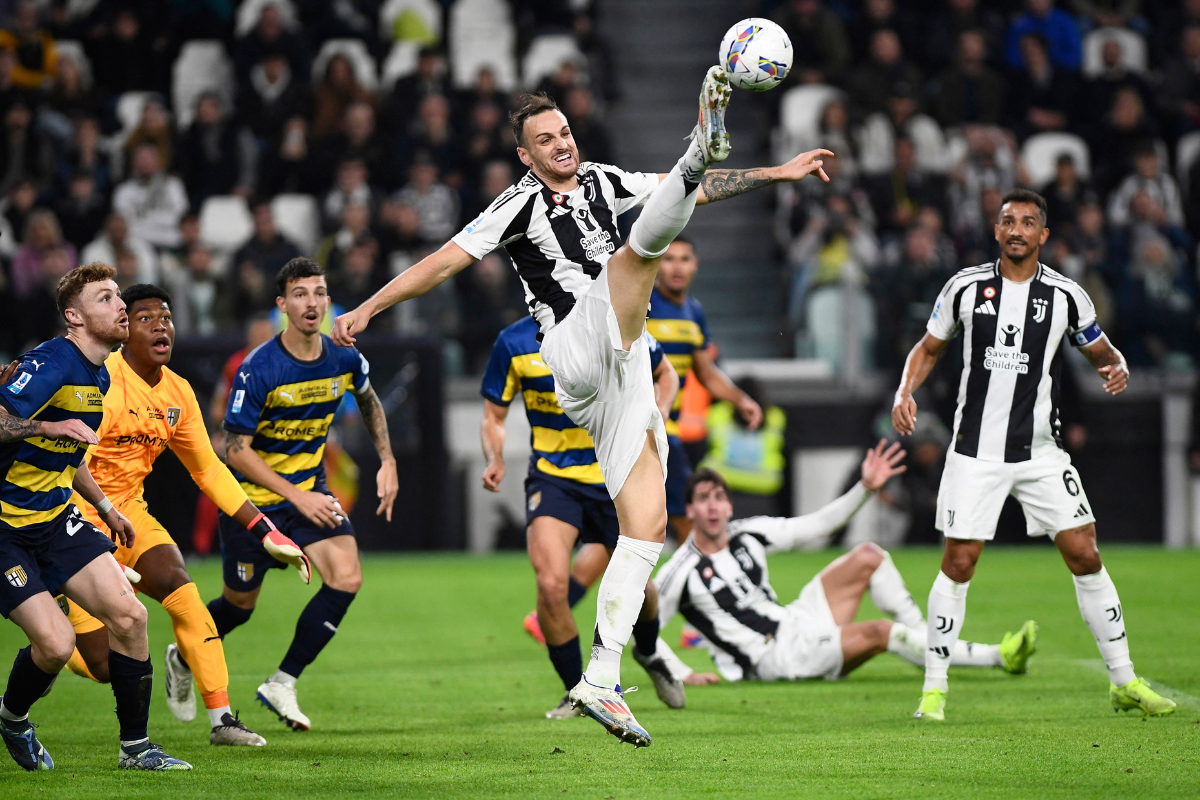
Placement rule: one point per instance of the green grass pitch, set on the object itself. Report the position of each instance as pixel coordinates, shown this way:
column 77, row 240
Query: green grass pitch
column 432, row 689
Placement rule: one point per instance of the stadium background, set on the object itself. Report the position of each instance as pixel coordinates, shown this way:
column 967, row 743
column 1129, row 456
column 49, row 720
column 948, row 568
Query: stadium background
column 200, row 144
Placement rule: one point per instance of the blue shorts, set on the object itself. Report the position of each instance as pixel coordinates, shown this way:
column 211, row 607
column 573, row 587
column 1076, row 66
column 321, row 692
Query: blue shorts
column 679, row 469
column 31, row 568
column 244, row 560
column 585, row 506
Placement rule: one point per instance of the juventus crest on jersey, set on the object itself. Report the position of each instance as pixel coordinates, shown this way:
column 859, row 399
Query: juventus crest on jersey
column 1012, row 357
column 558, row 241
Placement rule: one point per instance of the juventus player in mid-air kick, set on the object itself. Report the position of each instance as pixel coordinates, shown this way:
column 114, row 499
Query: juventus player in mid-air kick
column 590, row 297
column 1013, row 314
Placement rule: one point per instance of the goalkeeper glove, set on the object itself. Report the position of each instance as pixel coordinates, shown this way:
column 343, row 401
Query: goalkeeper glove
column 280, row 546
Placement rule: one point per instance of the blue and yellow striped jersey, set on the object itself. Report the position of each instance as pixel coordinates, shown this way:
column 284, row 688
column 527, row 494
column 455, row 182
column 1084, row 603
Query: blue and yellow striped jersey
column 560, row 447
column 288, row 405
column 681, row 330
column 55, row 382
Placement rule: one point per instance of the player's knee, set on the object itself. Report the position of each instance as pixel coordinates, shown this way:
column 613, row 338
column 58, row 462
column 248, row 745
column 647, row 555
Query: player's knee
column 128, row 622
column 869, row 555
column 552, row 587
column 55, row 651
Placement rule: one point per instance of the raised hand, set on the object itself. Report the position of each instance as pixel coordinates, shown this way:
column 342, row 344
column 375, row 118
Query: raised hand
column 804, row 165
column 882, row 465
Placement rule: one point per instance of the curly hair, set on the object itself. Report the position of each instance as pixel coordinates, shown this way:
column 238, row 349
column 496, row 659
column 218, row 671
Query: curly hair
column 71, row 284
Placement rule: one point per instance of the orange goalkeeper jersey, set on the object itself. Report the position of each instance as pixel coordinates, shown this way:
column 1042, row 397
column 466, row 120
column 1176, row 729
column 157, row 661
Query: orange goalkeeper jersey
column 140, row 421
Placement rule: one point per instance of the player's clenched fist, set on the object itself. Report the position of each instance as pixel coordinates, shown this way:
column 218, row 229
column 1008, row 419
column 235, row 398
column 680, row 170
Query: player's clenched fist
column 347, row 325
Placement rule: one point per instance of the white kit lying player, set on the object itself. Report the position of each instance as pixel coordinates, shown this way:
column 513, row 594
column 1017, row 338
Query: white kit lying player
column 718, row 580
column 589, row 295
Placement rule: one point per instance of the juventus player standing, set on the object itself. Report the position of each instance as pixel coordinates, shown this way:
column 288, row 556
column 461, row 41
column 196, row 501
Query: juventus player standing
column 1013, row 315
column 590, row 297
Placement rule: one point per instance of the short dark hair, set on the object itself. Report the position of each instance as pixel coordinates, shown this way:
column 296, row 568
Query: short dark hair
column 71, row 284
column 145, row 291
column 530, row 105
column 1026, row 196
column 704, row 475
column 297, row 269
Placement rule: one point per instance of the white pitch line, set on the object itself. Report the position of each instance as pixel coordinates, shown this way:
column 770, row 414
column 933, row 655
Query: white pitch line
column 1181, row 698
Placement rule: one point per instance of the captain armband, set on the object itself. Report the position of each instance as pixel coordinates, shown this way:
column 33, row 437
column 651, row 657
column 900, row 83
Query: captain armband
column 1087, row 336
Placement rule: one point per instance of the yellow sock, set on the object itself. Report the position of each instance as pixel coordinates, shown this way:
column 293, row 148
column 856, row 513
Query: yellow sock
column 196, row 635
column 80, row 667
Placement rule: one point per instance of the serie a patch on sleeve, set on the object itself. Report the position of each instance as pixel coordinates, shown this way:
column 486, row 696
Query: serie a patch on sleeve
column 1088, row 335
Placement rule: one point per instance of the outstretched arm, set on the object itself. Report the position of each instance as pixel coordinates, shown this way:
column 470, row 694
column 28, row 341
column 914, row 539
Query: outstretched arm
column 415, row 281
column 1109, row 362
column 916, row 369
column 721, row 184
column 387, row 484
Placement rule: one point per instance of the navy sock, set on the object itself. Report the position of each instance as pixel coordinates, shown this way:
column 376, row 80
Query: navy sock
column 645, row 636
column 567, row 661
column 317, row 624
column 26, row 683
column 575, row 591
column 132, row 685
column 227, row 616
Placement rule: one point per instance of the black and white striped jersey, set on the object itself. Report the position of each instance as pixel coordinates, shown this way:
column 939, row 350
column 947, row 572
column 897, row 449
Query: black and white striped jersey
column 1012, row 357
column 728, row 596
column 558, row 241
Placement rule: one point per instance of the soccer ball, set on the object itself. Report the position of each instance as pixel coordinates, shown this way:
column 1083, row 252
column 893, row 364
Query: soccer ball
column 756, row 54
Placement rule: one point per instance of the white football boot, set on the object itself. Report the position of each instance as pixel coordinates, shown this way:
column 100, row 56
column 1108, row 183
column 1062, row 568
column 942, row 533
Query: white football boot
column 608, row 707
column 280, row 699
column 710, row 128
column 181, row 699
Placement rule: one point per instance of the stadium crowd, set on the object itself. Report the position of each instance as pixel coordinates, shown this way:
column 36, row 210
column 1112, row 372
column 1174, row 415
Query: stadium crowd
column 203, row 144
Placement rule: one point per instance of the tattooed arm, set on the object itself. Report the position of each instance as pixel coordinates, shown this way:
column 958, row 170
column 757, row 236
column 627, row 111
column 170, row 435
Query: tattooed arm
column 13, row 428
column 721, row 184
column 387, row 484
column 1109, row 362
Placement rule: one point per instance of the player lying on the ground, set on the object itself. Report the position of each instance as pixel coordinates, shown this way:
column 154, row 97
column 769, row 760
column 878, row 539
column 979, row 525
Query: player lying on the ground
column 147, row 409
column 565, row 502
column 590, row 297
column 282, row 405
column 1014, row 314
column 718, row 580
column 49, row 413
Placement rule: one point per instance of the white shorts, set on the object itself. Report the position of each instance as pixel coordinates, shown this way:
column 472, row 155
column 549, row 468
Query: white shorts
column 808, row 643
column 606, row 390
column 973, row 491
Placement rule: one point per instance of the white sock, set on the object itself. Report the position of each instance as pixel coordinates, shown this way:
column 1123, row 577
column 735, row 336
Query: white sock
column 670, row 207
column 282, row 677
column 618, row 603
column 973, row 654
column 947, row 610
column 215, row 714
column 1101, row 610
column 908, row 643
column 891, row 596
column 8, row 715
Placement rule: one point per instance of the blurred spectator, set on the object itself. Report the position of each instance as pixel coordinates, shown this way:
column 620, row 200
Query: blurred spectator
column 1088, row 239
column 270, row 36
column 833, row 249
column 1046, row 95
column 484, row 90
column 878, row 15
column 202, row 306
column 990, row 161
column 799, row 200
column 436, row 202
column 905, row 293
column 430, row 78
column 33, row 47
column 267, row 249
column 896, row 196
column 336, row 92
column 127, row 57
column 885, row 74
column 351, row 188
column 601, row 68
column 400, row 232
column 358, row 276
column 975, row 232
column 85, row 154
column 252, row 292
column 1171, row 18
column 970, row 91
column 154, row 127
column 83, row 210
column 287, row 166
column 24, row 155
column 1124, row 130
column 433, row 134
column 1180, row 92
column 943, row 36
column 496, row 176
column 126, row 265
column 114, row 238
column 216, row 155
column 151, row 201
column 561, row 81
column 819, row 41
column 14, row 208
column 1158, row 186
column 9, row 92
column 71, row 95
column 1065, row 195
column 273, row 96
column 37, row 314
column 358, row 140
column 588, row 130
column 1105, row 13
column 355, row 228
column 41, row 235
column 492, row 299
column 488, row 139
column 1061, row 255
column 878, row 135
column 1156, row 304
column 1057, row 27
column 1113, row 75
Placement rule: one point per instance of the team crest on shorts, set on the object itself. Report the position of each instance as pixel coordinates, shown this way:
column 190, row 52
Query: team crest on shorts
column 245, row 571
column 16, row 576
column 64, row 605
column 172, row 416
column 535, row 500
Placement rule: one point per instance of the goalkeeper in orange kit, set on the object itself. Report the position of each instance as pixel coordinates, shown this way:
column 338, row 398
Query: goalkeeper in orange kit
column 147, row 409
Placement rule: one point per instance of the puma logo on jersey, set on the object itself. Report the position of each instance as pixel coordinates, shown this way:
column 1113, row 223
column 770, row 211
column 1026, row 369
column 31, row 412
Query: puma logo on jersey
column 134, row 412
column 288, row 395
column 244, row 376
column 986, row 307
column 36, row 364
